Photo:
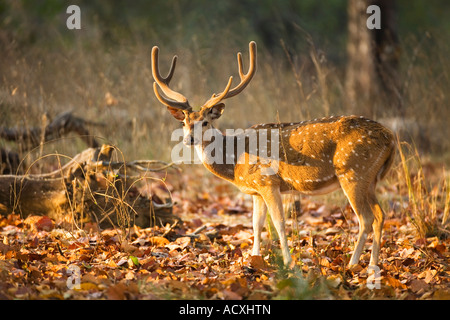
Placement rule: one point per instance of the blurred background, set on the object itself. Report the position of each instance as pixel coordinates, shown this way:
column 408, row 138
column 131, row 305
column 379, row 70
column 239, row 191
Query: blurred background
column 315, row 58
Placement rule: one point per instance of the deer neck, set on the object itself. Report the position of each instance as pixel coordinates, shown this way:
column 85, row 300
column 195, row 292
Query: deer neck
column 217, row 153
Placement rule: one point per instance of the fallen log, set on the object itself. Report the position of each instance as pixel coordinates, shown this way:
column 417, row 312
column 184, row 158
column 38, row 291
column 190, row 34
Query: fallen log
column 62, row 124
column 89, row 187
column 29, row 138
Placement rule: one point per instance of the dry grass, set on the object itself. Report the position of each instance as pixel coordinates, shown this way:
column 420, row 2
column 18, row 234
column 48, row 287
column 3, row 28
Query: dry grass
column 428, row 197
column 114, row 86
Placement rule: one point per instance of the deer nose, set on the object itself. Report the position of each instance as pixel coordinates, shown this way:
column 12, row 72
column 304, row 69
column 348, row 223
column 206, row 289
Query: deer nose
column 189, row 141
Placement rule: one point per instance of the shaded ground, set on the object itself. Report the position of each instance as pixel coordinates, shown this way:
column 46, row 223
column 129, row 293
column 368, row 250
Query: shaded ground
column 208, row 256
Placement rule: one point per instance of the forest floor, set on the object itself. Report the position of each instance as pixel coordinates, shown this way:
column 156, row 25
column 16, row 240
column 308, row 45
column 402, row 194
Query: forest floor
column 208, row 256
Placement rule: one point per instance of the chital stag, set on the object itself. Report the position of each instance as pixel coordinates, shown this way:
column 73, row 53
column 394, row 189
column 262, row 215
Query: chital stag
column 315, row 157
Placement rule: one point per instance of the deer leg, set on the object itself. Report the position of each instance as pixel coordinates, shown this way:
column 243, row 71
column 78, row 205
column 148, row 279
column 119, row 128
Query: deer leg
column 274, row 202
column 357, row 196
column 377, row 226
column 259, row 216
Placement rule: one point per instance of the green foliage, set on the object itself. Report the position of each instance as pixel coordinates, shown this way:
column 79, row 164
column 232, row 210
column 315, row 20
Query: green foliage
column 206, row 21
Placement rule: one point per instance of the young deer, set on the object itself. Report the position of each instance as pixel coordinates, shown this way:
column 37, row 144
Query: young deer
column 312, row 157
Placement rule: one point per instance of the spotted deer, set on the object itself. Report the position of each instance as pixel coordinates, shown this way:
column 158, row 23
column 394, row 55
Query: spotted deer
column 314, row 157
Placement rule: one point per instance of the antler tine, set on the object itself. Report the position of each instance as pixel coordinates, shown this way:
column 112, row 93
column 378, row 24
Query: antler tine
column 175, row 99
column 245, row 78
column 216, row 99
column 240, row 65
column 171, row 70
column 170, row 102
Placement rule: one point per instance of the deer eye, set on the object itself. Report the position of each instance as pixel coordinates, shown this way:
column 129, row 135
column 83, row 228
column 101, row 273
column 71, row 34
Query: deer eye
column 205, row 123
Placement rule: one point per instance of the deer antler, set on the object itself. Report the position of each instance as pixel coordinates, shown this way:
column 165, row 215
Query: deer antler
column 178, row 101
column 245, row 79
column 174, row 99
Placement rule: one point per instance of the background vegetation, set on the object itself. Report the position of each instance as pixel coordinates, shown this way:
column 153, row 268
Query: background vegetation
column 102, row 71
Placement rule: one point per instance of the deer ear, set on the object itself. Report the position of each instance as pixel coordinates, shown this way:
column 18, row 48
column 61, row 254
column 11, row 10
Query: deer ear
column 177, row 113
column 216, row 111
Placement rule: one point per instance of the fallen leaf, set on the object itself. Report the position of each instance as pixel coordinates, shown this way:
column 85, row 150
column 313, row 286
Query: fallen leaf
column 129, row 275
column 417, row 284
column 257, row 262
column 140, row 241
column 430, row 274
column 439, row 247
column 405, row 253
column 331, row 231
column 197, row 222
column 116, row 291
column 86, row 286
column 355, row 268
column 158, row 241
column 183, row 242
column 324, row 262
column 39, row 223
column 134, row 260
column 4, row 248
column 111, row 264
column 45, row 223
column 395, row 283
column 421, row 242
column 122, row 262
column 334, row 280
column 127, row 247
column 389, row 223
column 179, row 243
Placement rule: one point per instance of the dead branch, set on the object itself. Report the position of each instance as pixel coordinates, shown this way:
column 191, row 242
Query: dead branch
column 137, row 165
column 29, row 138
column 88, row 185
column 63, row 124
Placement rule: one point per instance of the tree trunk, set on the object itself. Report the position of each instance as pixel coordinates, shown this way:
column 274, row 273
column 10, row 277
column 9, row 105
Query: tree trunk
column 373, row 57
